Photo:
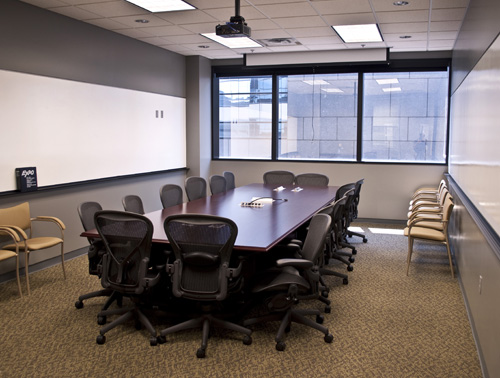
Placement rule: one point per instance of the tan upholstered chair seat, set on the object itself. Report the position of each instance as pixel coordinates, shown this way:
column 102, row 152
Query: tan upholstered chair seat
column 426, row 233
column 37, row 243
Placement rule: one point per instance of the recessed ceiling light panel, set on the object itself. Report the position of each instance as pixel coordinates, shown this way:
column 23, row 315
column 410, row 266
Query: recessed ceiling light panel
column 358, row 33
column 162, row 5
column 395, row 89
column 233, row 42
column 387, row 81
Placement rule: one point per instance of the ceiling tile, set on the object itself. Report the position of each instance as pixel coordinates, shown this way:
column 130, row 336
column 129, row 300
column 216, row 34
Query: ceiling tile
column 342, row 6
column 300, row 22
column 454, row 14
column 445, row 25
column 320, row 40
column 267, row 34
column 46, row 3
column 75, row 12
column 107, row 23
column 287, row 10
column 134, row 33
column 186, row 17
column 351, row 18
column 442, row 44
column 130, row 21
column 437, row 4
column 114, row 9
column 388, row 6
column 164, row 31
column 396, row 37
column 443, row 35
column 311, row 32
column 405, row 28
column 403, row 16
column 185, row 39
column 224, row 14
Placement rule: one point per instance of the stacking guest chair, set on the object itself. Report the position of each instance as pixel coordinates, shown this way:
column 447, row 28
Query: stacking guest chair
column 133, row 204
column 170, row 195
column 311, row 179
column 342, row 220
column 217, row 184
column 230, row 180
column 353, row 210
column 202, row 274
column 291, row 281
column 5, row 254
column 126, row 266
column 18, row 219
column 427, row 192
column 279, row 178
column 421, row 229
column 196, row 187
column 86, row 212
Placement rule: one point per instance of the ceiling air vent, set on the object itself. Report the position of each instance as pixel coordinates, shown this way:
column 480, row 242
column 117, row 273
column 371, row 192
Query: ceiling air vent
column 272, row 42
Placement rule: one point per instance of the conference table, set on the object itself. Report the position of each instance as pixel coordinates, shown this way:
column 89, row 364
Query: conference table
column 259, row 228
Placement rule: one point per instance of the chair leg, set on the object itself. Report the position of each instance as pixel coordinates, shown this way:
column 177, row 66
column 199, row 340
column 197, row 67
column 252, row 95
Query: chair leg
column 62, row 259
column 26, row 271
column 410, row 251
column 17, row 276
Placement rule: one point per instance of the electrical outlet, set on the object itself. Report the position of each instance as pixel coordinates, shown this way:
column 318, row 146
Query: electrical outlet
column 480, row 284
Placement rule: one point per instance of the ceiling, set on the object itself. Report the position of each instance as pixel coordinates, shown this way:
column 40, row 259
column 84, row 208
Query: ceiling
column 291, row 25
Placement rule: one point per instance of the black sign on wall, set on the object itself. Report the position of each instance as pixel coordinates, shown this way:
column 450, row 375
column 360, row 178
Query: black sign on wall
column 26, row 179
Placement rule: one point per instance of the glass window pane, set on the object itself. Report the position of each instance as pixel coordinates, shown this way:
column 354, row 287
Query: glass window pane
column 245, row 117
column 405, row 116
column 317, row 117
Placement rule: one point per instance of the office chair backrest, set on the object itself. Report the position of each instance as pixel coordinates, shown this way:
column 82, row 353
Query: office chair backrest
column 133, row 204
column 202, row 245
column 355, row 200
column 345, row 189
column 217, row 184
column 230, row 180
column 127, row 238
column 86, row 211
column 196, row 187
column 315, row 239
column 170, row 195
column 279, row 178
column 311, row 179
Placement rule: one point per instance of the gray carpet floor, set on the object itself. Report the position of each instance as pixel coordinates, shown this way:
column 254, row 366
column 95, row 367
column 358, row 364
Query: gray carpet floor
column 385, row 324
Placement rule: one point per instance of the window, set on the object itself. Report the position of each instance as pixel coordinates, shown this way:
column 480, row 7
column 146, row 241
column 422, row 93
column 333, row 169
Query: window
column 405, row 116
column 245, row 117
column 350, row 116
column 317, row 117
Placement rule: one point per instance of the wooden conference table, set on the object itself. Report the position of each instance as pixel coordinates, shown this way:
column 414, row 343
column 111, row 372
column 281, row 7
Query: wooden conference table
column 259, row 228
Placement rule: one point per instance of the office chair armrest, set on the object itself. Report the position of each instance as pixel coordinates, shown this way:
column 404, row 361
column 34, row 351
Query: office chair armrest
column 55, row 220
column 437, row 216
column 18, row 230
column 9, row 231
column 296, row 263
column 414, row 222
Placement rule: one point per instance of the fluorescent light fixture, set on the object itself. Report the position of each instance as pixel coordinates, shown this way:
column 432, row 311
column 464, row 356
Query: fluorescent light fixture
column 233, row 42
column 316, row 82
column 358, row 33
column 332, row 90
column 395, row 89
column 387, row 81
column 162, row 5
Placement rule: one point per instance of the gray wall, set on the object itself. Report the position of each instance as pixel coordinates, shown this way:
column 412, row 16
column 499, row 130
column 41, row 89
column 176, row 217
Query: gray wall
column 475, row 243
column 40, row 42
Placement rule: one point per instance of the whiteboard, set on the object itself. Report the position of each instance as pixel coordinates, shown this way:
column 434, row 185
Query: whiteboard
column 73, row 131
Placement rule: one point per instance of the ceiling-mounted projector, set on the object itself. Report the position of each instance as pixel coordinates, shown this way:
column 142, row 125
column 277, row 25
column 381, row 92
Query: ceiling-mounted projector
column 236, row 27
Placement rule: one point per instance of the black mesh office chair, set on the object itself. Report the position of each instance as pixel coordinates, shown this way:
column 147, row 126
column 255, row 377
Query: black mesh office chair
column 311, row 179
column 343, row 222
column 86, row 211
column 133, row 204
column 353, row 210
column 293, row 280
column 170, row 195
column 217, row 184
column 196, row 187
column 279, row 178
column 201, row 273
column 126, row 265
column 230, row 180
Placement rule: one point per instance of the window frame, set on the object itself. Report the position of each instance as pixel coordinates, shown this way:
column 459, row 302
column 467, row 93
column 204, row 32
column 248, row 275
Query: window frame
column 394, row 66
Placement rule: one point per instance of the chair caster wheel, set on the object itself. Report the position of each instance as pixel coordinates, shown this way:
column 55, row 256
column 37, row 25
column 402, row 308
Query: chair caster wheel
column 101, row 339
column 320, row 319
column 328, row 338
column 328, row 310
column 349, row 268
column 247, row 340
column 101, row 320
column 200, row 353
column 351, row 259
column 365, row 240
column 79, row 304
column 345, row 281
column 324, row 293
column 161, row 339
column 354, row 252
column 153, row 341
column 280, row 346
